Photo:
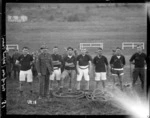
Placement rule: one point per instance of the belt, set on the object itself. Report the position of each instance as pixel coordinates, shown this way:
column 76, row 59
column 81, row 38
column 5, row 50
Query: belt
column 83, row 67
column 139, row 68
column 117, row 68
column 55, row 68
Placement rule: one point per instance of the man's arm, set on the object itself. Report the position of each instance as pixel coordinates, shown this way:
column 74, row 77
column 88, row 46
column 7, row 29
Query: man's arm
column 90, row 67
column 75, row 61
column 51, row 63
column 72, row 64
column 32, row 60
column 77, row 67
column 38, row 65
column 132, row 59
column 18, row 60
column 93, row 63
column 61, row 61
column 146, row 61
column 107, row 67
column 111, row 61
column 124, row 61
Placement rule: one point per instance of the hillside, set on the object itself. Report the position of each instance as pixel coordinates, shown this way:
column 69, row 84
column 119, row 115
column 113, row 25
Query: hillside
column 71, row 24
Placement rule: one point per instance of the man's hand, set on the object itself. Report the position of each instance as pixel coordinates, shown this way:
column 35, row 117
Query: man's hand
column 51, row 72
column 39, row 74
column 145, row 66
column 122, row 65
column 17, row 62
column 31, row 63
column 69, row 64
column 56, row 63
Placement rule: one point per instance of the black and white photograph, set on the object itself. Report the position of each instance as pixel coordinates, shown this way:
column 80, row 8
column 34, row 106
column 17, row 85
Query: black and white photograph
column 76, row 59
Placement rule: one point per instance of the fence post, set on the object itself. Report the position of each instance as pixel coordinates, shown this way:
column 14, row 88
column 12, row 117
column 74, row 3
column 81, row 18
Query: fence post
column 132, row 45
column 123, row 46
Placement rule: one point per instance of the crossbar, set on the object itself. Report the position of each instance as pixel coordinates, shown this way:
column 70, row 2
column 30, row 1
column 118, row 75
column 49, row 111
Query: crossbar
column 132, row 44
column 12, row 46
column 82, row 45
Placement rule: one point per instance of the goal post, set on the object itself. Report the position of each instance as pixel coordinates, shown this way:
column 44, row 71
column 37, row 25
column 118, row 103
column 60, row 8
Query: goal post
column 132, row 44
column 12, row 47
column 84, row 45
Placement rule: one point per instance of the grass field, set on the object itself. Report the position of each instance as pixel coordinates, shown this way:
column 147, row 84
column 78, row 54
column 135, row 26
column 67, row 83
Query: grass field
column 68, row 25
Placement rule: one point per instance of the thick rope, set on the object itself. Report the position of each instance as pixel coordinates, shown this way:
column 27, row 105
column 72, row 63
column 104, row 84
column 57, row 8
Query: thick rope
column 96, row 95
column 75, row 94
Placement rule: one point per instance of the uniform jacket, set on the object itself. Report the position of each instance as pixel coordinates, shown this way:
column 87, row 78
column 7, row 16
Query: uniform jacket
column 15, row 56
column 117, row 62
column 8, row 63
column 44, row 63
column 139, row 60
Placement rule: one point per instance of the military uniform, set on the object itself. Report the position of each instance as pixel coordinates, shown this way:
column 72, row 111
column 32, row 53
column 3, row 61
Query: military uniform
column 8, row 65
column 16, row 68
column 45, row 67
column 34, row 70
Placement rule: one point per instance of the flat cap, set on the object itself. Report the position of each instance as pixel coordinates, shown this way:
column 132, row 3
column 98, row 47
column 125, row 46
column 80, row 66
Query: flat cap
column 118, row 48
column 44, row 47
column 69, row 48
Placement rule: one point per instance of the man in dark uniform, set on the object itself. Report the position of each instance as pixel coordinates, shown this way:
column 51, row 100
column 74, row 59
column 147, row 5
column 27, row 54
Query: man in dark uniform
column 69, row 63
column 45, row 69
column 101, row 67
column 139, row 59
column 16, row 68
column 8, row 64
column 25, row 60
column 57, row 65
column 84, row 66
column 111, row 70
column 117, row 62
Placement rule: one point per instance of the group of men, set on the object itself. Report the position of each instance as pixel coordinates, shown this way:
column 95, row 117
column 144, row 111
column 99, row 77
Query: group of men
column 75, row 67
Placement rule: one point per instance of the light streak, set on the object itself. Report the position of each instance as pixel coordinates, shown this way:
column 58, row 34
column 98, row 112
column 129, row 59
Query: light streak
column 137, row 106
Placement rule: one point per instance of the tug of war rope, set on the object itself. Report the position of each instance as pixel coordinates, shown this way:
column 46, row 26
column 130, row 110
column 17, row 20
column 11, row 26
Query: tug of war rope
column 96, row 95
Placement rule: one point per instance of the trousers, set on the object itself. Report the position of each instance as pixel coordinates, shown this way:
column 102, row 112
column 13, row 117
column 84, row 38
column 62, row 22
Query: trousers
column 139, row 72
column 44, row 85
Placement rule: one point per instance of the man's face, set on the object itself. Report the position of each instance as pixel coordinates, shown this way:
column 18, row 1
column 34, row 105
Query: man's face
column 70, row 52
column 99, row 52
column 16, row 51
column 44, row 50
column 55, row 50
column 113, row 53
column 139, row 49
column 25, row 51
column 118, row 51
column 83, row 51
